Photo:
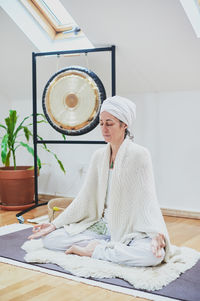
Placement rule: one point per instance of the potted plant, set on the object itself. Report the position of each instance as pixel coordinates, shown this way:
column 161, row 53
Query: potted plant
column 17, row 182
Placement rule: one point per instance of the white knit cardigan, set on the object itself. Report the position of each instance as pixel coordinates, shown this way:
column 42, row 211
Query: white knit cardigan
column 133, row 208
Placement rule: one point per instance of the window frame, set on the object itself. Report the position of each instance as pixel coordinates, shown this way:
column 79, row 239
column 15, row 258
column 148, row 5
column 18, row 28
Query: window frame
column 47, row 22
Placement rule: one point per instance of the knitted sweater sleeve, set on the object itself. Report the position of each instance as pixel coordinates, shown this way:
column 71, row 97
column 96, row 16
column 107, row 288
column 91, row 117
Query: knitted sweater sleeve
column 82, row 208
column 149, row 210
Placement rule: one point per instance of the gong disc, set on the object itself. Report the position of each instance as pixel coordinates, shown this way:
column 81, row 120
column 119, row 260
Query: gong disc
column 71, row 100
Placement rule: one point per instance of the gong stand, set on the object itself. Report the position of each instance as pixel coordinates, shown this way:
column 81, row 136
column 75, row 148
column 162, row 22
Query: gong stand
column 110, row 49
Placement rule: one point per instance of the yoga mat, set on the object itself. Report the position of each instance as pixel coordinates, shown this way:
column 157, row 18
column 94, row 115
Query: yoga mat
column 186, row 287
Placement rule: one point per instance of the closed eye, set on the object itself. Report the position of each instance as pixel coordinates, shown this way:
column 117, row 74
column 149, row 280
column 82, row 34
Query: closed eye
column 106, row 124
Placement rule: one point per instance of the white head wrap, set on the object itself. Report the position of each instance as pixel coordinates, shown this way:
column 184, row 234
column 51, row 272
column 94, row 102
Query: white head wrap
column 122, row 108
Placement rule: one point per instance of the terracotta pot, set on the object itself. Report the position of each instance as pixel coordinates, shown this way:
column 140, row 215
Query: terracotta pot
column 16, row 188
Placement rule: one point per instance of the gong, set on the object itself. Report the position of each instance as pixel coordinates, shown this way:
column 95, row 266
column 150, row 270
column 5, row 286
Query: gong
column 71, row 100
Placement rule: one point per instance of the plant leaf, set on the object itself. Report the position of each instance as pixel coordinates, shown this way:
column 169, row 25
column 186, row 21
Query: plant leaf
column 7, row 163
column 58, row 161
column 11, row 121
column 20, row 127
column 7, row 121
column 25, row 120
column 3, row 126
column 27, row 133
column 64, row 137
column 48, row 150
column 4, row 147
column 31, row 151
column 38, row 121
column 13, row 118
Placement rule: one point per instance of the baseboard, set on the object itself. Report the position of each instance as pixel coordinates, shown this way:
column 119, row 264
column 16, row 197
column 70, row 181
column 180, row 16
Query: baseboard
column 180, row 213
column 47, row 197
column 165, row 211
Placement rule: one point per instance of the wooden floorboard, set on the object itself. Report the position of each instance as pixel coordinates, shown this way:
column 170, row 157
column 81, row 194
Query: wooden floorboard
column 19, row 284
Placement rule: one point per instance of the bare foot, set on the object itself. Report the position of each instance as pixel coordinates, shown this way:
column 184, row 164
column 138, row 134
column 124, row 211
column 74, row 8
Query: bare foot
column 83, row 251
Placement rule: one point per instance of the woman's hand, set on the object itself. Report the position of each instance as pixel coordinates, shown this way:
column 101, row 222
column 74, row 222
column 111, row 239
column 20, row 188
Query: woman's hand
column 158, row 242
column 42, row 230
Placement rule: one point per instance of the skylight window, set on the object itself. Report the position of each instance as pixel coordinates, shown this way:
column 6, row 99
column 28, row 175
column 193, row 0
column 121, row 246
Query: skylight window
column 47, row 24
column 53, row 18
column 192, row 9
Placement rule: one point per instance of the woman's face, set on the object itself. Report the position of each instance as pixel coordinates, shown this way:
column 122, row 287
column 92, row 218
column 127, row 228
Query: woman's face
column 112, row 129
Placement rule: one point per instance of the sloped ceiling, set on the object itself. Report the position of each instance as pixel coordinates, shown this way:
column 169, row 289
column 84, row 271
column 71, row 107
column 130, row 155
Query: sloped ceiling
column 157, row 49
column 15, row 60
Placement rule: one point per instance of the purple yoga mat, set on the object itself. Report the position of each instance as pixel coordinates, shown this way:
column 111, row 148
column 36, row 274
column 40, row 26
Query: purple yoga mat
column 186, row 287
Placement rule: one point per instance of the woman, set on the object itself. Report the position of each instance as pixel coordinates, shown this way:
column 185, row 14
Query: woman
column 116, row 216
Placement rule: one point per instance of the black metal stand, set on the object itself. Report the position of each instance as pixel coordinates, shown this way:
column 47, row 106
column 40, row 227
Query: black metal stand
column 110, row 49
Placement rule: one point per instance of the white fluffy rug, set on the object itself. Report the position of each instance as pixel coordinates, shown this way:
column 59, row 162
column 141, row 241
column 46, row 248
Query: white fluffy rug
column 151, row 278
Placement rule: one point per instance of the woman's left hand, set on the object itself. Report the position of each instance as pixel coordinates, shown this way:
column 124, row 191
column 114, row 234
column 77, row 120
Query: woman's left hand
column 157, row 244
column 83, row 251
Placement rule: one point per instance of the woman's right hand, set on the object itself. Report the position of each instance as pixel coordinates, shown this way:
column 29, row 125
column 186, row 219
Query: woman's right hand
column 42, row 230
column 157, row 244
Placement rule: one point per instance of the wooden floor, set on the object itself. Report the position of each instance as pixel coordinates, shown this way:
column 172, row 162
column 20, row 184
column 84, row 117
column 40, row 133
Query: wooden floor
column 18, row 284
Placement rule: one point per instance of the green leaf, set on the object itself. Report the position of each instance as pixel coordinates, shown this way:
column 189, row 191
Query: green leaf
column 27, row 133
column 11, row 121
column 44, row 144
column 31, row 151
column 7, row 121
column 31, row 168
column 64, row 137
column 9, row 141
column 48, row 150
column 58, row 161
column 8, row 159
column 61, row 165
column 3, row 126
column 25, row 120
column 43, row 116
column 38, row 121
column 4, row 147
column 13, row 118
column 20, row 127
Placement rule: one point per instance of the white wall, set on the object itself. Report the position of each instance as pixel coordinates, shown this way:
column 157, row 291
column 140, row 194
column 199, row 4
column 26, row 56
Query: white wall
column 5, row 107
column 167, row 124
column 179, row 150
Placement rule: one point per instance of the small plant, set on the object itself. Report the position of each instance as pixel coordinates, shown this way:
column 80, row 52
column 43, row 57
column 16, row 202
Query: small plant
column 11, row 139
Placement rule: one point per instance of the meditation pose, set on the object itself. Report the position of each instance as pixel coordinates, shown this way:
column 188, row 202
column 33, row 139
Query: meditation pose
column 116, row 216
